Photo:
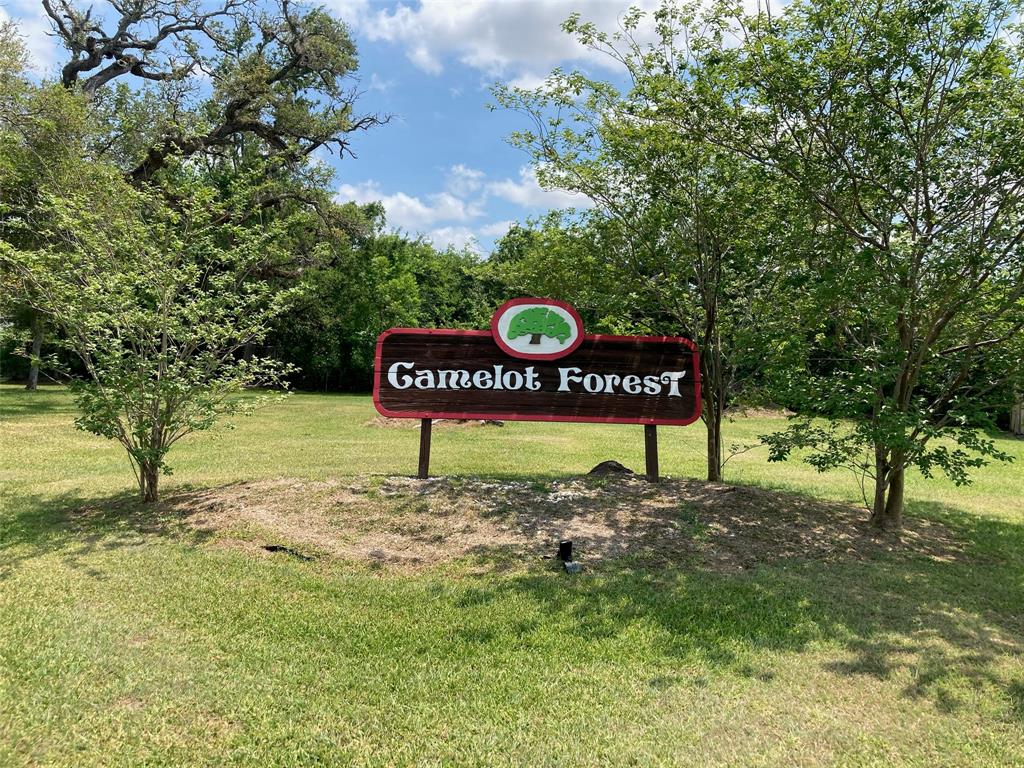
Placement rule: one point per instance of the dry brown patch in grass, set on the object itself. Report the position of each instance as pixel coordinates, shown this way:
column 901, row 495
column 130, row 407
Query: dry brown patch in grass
column 758, row 412
column 385, row 422
column 130, row 703
column 408, row 523
column 389, row 423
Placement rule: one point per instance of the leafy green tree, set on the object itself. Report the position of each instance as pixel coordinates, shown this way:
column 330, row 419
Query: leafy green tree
column 565, row 256
column 900, row 122
column 539, row 321
column 157, row 302
column 240, row 90
column 331, row 332
column 683, row 229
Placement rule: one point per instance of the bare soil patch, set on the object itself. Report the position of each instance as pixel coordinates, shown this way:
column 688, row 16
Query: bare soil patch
column 759, row 412
column 402, row 522
column 389, row 423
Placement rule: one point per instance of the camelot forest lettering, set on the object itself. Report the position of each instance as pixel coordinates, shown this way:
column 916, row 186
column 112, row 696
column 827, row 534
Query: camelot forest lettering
column 403, row 375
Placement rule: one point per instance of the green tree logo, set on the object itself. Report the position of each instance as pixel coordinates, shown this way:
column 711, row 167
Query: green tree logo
column 536, row 322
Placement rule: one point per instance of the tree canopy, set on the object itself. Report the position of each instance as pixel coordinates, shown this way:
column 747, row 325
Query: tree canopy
column 203, row 77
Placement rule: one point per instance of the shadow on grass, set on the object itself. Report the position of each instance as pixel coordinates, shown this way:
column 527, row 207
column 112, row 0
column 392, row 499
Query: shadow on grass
column 944, row 633
column 946, row 630
column 74, row 526
column 942, row 629
column 15, row 402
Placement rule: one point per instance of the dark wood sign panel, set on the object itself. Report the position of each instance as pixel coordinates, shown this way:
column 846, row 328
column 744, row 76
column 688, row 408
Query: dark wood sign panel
column 449, row 374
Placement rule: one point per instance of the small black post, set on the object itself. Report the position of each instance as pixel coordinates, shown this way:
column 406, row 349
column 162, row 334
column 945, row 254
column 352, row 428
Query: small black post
column 424, row 448
column 565, row 550
column 651, row 451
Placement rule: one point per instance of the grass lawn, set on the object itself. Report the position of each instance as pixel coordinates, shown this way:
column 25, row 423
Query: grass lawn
column 129, row 643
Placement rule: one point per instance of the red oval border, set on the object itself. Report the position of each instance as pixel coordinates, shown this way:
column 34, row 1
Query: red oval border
column 525, row 355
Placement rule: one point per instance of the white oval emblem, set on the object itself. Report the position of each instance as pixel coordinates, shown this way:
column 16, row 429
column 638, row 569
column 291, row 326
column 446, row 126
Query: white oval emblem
column 539, row 329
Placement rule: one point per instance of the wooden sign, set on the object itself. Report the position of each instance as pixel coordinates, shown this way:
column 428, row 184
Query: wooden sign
column 443, row 374
column 536, row 364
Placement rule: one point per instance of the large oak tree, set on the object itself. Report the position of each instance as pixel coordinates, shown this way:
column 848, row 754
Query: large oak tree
column 205, row 77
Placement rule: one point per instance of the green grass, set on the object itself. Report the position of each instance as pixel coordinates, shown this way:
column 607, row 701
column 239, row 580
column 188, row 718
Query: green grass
column 123, row 643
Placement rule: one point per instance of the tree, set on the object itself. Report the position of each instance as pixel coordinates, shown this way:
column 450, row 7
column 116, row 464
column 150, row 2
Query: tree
column 566, row 257
column 280, row 77
column 901, row 124
column 539, row 321
column 157, row 302
column 238, row 90
column 684, row 228
column 36, row 351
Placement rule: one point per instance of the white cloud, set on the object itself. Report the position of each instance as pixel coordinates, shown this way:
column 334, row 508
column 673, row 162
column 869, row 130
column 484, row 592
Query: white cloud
column 528, row 81
column 34, row 28
column 377, row 83
column 456, row 237
column 498, row 37
column 497, row 228
column 463, row 181
column 451, row 217
column 528, row 193
column 408, row 212
column 512, row 39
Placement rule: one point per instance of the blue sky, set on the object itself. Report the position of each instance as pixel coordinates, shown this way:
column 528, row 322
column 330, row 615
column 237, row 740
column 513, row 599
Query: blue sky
column 442, row 167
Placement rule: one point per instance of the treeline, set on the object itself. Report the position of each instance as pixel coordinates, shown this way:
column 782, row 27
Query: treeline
column 367, row 280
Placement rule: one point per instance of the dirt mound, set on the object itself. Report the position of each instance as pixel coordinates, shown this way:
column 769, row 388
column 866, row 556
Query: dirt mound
column 610, row 468
column 407, row 523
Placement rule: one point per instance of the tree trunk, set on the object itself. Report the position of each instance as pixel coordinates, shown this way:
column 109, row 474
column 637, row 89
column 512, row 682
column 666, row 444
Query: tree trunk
column 37, row 349
column 714, row 426
column 149, row 481
column 881, row 484
column 887, row 509
column 713, row 394
column 878, row 507
column 535, row 338
column 1017, row 415
column 894, row 504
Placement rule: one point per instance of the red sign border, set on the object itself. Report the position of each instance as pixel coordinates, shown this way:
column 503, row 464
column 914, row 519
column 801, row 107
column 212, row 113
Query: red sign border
column 532, row 417
column 508, row 350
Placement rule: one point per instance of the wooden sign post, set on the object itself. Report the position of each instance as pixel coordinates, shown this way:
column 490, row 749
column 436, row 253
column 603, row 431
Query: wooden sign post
column 425, row 426
column 536, row 364
column 651, row 451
